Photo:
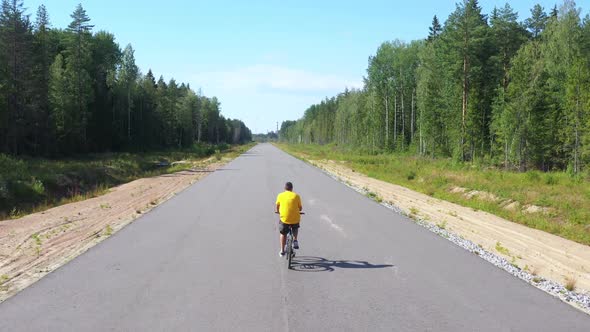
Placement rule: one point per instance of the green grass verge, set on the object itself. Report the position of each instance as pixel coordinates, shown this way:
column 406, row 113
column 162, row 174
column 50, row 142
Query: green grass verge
column 34, row 184
column 567, row 197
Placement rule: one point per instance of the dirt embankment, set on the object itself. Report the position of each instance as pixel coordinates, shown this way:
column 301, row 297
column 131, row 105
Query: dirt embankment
column 32, row 246
column 539, row 253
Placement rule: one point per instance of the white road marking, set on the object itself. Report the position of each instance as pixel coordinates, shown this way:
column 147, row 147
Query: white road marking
column 332, row 224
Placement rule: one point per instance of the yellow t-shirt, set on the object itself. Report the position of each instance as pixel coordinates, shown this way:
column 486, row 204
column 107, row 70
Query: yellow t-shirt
column 290, row 203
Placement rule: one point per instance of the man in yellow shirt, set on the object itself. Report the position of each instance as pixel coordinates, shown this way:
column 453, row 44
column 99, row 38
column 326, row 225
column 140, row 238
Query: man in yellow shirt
column 288, row 205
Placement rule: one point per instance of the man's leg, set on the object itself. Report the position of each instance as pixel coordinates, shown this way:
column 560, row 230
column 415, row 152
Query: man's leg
column 282, row 240
column 295, row 233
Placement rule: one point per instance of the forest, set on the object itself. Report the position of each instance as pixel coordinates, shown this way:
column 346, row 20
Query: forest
column 75, row 91
column 489, row 88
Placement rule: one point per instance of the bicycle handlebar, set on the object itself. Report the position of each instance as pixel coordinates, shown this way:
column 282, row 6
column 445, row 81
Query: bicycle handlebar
column 299, row 212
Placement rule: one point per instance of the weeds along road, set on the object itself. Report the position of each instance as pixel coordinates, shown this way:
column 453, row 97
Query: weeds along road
column 208, row 260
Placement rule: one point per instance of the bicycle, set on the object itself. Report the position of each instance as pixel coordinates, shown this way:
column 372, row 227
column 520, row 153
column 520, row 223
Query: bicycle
column 289, row 250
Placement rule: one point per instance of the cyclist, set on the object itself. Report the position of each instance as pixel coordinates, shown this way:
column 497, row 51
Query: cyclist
column 288, row 205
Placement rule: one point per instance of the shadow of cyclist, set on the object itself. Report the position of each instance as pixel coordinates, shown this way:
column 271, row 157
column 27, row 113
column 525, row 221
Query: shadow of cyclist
column 319, row 264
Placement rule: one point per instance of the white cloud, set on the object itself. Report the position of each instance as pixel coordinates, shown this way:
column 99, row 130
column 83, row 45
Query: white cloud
column 269, row 78
column 263, row 94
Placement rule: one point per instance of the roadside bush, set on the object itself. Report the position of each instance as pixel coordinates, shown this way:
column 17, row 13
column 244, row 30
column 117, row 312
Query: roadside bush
column 38, row 187
column 533, row 176
column 222, row 146
column 4, row 194
column 201, row 149
column 550, row 179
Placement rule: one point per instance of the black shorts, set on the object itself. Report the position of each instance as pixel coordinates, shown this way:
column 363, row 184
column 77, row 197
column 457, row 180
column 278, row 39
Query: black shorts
column 284, row 228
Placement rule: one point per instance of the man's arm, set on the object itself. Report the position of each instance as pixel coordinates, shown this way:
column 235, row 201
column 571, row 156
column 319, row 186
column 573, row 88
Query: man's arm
column 300, row 206
column 278, row 206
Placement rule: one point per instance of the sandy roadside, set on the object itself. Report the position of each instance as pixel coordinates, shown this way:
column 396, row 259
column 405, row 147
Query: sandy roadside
column 33, row 246
column 542, row 254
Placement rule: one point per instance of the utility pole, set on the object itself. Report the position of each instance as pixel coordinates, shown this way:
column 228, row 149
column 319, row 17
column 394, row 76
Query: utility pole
column 278, row 137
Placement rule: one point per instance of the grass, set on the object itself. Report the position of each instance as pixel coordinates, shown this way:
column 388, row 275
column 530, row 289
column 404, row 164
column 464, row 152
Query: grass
column 570, row 283
column 29, row 185
column 513, row 262
column 108, row 230
column 3, row 278
column 414, row 212
column 566, row 196
column 374, row 196
column 37, row 243
column 36, row 238
column 501, row 249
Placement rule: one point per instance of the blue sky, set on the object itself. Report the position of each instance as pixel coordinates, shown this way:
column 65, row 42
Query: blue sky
column 266, row 61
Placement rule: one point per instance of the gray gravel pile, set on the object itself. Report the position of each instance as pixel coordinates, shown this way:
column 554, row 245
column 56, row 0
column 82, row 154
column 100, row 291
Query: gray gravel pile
column 580, row 299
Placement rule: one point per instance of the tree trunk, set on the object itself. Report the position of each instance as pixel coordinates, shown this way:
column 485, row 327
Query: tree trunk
column 129, row 114
column 464, row 105
column 576, row 130
column 412, row 119
column 403, row 121
column 422, row 149
column 506, row 154
column 395, row 121
column 387, row 123
column 141, row 124
column 79, row 92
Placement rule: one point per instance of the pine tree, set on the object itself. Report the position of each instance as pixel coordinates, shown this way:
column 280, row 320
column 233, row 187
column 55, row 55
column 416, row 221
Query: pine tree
column 537, row 22
column 520, row 113
column 60, row 101
column 381, row 76
column 554, row 12
column 507, row 37
column 15, row 69
column 465, row 37
column 128, row 75
column 103, row 128
column 42, row 135
column 435, row 29
column 77, row 63
column 148, row 119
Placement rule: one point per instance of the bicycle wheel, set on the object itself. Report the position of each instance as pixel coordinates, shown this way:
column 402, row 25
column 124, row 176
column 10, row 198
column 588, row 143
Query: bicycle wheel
column 289, row 249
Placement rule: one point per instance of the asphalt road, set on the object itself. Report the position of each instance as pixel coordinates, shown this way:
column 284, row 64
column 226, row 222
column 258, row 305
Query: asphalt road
column 207, row 260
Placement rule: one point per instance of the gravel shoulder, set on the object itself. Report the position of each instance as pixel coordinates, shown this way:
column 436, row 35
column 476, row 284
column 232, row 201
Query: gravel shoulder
column 543, row 255
column 35, row 245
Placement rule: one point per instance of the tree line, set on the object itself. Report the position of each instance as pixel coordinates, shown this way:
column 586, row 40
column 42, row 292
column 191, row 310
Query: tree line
column 67, row 91
column 479, row 88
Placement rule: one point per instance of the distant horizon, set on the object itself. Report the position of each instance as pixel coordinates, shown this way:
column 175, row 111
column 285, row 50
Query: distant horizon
column 265, row 62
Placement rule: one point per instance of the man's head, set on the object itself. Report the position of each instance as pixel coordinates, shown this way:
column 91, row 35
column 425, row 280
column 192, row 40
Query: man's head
column 289, row 186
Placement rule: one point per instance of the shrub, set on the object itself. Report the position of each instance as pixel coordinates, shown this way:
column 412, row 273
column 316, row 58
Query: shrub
column 38, row 187
column 550, row 179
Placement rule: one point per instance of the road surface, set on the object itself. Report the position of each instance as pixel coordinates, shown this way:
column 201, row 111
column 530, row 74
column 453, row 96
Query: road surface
column 208, row 260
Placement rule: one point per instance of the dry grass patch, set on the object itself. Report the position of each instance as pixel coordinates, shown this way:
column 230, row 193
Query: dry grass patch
column 570, row 283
